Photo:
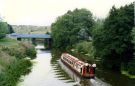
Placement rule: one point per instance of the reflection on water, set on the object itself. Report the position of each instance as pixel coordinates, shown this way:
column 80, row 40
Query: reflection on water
column 115, row 79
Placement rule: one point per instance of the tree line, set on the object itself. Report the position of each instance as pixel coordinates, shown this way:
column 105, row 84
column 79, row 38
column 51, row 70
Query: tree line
column 111, row 39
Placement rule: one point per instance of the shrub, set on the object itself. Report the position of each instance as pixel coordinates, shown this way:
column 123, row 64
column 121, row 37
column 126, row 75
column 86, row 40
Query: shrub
column 31, row 53
column 29, row 49
column 85, row 47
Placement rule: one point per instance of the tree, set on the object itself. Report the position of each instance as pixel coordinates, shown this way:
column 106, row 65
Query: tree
column 113, row 41
column 72, row 27
column 3, row 29
column 131, row 64
column 10, row 29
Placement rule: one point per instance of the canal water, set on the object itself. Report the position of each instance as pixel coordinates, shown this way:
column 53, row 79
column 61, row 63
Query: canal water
column 50, row 71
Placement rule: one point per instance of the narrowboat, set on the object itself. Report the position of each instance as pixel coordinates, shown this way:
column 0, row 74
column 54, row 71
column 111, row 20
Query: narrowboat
column 83, row 69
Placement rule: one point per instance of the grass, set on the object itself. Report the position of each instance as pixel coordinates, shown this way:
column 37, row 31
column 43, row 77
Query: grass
column 8, row 42
column 127, row 74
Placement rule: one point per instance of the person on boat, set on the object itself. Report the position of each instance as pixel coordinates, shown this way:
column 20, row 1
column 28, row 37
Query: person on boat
column 94, row 67
column 87, row 67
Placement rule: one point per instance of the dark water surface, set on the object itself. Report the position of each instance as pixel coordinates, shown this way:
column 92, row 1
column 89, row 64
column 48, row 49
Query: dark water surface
column 48, row 70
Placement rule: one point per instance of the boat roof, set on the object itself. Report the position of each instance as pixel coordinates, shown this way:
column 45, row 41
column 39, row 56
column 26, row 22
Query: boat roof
column 79, row 62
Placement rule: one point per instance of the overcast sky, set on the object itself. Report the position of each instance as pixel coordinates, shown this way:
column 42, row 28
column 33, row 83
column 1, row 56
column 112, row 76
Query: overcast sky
column 44, row 12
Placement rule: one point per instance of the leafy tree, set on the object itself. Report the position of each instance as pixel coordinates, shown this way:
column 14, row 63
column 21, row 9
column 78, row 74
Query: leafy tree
column 131, row 64
column 72, row 27
column 3, row 29
column 97, row 36
column 112, row 42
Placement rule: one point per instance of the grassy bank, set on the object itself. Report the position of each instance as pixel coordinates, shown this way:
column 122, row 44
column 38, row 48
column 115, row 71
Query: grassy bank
column 8, row 42
column 13, row 60
column 12, row 73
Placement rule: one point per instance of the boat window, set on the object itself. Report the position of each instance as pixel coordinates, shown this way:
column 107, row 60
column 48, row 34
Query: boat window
column 81, row 70
column 87, row 69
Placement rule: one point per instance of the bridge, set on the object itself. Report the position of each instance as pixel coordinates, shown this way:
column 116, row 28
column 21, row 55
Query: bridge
column 33, row 37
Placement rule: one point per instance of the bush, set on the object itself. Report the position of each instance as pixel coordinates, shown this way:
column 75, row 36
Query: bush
column 31, row 53
column 85, row 47
column 29, row 49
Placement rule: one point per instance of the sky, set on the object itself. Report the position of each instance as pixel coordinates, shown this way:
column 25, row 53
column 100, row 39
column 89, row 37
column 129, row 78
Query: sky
column 45, row 12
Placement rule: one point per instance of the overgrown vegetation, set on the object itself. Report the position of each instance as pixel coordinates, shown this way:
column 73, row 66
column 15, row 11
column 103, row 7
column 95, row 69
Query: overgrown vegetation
column 13, row 62
column 12, row 73
column 112, row 39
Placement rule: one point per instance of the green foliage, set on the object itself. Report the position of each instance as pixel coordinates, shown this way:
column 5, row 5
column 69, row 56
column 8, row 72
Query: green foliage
column 8, row 42
column 133, row 36
column 3, row 29
column 86, row 49
column 13, row 72
column 13, row 62
column 131, row 67
column 112, row 41
column 18, row 52
column 29, row 49
column 30, row 52
column 131, row 64
column 97, row 36
column 72, row 27
column 21, row 50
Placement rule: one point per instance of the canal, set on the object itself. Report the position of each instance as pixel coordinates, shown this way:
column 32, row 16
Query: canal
column 50, row 71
